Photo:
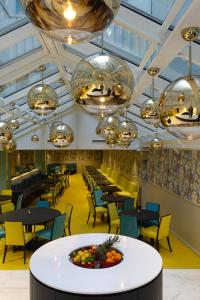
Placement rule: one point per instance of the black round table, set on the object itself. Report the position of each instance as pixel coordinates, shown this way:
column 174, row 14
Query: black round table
column 110, row 189
column 142, row 215
column 114, row 198
column 30, row 216
column 5, row 197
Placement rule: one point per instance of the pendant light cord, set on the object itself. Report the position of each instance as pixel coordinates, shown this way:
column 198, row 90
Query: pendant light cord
column 102, row 42
column 190, row 60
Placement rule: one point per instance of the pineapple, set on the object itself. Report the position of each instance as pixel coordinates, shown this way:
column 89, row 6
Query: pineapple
column 100, row 253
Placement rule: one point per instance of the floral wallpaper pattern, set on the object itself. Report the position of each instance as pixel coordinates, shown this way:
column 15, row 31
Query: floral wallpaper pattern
column 177, row 171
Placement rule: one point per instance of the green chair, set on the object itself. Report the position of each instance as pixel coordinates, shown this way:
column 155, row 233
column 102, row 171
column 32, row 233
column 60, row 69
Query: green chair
column 19, row 202
column 128, row 204
column 42, row 203
column 155, row 207
column 129, row 226
column 94, row 211
column 55, row 232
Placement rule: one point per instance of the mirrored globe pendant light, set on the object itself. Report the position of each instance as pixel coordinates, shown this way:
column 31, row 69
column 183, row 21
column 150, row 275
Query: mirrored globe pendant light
column 10, row 146
column 102, row 84
column 156, row 143
column 149, row 109
column 61, row 135
column 109, row 125
column 127, row 132
column 180, row 101
column 111, row 140
column 5, row 133
column 71, row 21
column 98, row 128
column 13, row 123
column 35, row 138
column 42, row 98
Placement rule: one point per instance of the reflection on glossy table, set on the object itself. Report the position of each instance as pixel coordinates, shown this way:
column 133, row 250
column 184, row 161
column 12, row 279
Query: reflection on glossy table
column 142, row 215
column 115, row 198
column 30, row 216
column 5, row 197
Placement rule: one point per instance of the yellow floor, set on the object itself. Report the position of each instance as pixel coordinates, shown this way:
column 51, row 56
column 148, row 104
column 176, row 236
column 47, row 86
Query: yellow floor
column 181, row 257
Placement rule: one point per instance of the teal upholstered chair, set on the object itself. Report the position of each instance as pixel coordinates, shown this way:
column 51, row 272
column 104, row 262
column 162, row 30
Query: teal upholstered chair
column 55, row 232
column 42, row 203
column 155, row 207
column 97, row 198
column 2, row 233
column 128, row 204
column 128, row 226
column 19, row 202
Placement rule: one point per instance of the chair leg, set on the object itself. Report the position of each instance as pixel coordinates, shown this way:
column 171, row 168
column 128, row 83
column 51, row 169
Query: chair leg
column 117, row 230
column 88, row 218
column 69, row 229
column 157, row 245
column 94, row 220
column 168, row 241
column 152, row 242
column 109, row 228
column 4, row 254
column 24, row 254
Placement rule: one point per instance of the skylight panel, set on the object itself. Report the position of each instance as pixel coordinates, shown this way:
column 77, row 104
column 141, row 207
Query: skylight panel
column 28, row 79
column 11, row 15
column 178, row 68
column 19, row 50
column 155, row 9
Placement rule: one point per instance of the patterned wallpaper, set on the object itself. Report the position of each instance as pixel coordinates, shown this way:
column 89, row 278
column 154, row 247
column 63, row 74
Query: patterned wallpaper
column 177, row 171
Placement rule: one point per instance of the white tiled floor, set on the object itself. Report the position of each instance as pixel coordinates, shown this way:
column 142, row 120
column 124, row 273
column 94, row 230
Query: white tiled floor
column 178, row 284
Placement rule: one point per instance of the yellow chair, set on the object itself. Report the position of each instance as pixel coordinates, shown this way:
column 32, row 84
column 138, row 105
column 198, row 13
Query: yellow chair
column 51, row 196
column 94, row 211
column 158, row 233
column 114, row 219
column 68, row 213
column 15, row 236
column 7, row 207
column 6, row 193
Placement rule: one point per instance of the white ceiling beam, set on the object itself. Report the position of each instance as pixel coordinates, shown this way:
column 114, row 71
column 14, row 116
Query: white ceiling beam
column 173, row 45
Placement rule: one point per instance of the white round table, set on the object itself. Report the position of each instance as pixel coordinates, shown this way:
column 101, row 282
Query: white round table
column 140, row 272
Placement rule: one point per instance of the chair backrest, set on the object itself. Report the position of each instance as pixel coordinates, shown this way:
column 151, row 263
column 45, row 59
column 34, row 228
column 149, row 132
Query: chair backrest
column 153, row 206
column 58, row 227
column 112, row 209
column 19, row 202
column 6, row 192
column 128, row 204
column 42, row 203
column 97, row 196
column 128, row 226
column 91, row 205
column 14, row 233
column 7, row 207
column 68, row 212
column 164, row 226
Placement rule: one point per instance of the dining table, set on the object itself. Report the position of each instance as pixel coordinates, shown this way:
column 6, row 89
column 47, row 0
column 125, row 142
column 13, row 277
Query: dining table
column 115, row 198
column 141, row 214
column 110, row 189
column 30, row 216
column 102, row 182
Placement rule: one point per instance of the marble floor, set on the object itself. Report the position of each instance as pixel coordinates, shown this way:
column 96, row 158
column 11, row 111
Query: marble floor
column 179, row 284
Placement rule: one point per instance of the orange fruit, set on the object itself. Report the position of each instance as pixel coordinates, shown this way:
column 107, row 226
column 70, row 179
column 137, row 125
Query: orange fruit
column 113, row 252
column 118, row 256
column 109, row 260
column 108, row 254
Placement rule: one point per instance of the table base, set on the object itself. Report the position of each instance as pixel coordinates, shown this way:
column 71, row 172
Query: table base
column 150, row 291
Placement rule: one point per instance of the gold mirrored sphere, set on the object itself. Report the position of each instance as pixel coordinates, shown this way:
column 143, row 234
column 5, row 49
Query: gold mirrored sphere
column 149, row 112
column 61, row 135
column 42, row 99
column 127, row 132
column 180, row 107
column 71, row 21
column 10, row 147
column 109, row 125
column 5, row 133
column 13, row 124
column 156, row 144
column 102, row 84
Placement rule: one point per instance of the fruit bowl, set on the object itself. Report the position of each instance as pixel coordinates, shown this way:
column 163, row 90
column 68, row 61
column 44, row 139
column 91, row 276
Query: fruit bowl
column 97, row 256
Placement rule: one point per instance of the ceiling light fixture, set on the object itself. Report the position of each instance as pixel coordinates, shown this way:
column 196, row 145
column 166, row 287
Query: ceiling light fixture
column 180, row 102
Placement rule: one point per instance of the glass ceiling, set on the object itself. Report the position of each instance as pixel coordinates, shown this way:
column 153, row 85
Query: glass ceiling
column 177, row 68
column 11, row 15
column 158, row 9
column 19, row 50
column 127, row 44
column 28, row 79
